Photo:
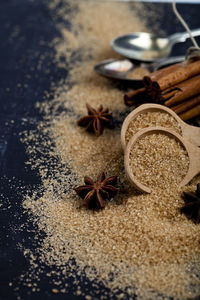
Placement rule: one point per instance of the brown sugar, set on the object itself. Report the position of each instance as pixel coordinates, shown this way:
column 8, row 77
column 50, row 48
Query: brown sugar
column 139, row 244
column 151, row 119
column 158, row 160
column 138, row 73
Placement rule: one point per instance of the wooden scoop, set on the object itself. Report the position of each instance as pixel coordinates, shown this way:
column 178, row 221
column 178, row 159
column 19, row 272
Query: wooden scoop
column 189, row 132
column 192, row 151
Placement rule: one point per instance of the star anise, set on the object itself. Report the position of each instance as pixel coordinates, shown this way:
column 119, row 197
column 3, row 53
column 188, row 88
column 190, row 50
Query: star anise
column 96, row 193
column 97, row 120
column 192, row 205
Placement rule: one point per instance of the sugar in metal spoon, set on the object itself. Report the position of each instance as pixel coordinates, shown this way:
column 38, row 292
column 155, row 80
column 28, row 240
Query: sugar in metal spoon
column 127, row 70
column 147, row 47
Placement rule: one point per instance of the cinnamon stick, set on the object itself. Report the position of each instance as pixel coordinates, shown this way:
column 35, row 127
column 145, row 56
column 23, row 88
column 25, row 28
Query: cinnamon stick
column 191, row 113
column 177, row 86
column 172, row 75
column 155, row 76
column 169, row 94
column 185, row 90
column 185, row 106
column 132, row 97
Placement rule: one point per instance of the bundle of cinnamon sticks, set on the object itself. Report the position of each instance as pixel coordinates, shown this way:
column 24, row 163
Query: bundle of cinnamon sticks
column 176, row 86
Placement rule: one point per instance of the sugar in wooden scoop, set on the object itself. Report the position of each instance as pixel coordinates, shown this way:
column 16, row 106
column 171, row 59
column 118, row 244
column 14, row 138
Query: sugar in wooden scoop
column 151, row 118
column 158, row 160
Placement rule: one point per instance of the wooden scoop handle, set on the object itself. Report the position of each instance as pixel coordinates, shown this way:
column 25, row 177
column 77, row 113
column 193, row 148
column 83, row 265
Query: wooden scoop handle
column 192, row 150
column 191, row 133
column 194, row 166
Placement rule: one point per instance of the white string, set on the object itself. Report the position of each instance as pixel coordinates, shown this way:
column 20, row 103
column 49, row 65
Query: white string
column 184, row 24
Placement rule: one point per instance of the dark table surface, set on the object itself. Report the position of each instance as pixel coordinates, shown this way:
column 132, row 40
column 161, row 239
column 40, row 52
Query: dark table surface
column 20, row 51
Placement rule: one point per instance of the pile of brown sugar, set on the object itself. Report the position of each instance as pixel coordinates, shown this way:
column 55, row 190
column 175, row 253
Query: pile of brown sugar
column 139, row 244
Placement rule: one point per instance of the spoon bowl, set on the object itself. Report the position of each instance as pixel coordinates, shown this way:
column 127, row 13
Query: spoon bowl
column 123, row 69
column 188, row 132
column 147, row 47
column 192, row 151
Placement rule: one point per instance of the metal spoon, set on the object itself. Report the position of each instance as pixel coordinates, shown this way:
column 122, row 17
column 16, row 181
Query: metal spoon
column 147, row 47
column 123, row 69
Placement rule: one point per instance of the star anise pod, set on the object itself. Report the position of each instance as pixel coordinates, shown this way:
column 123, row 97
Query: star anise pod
column 192, row 205
column 96, row 193
column 97, row 120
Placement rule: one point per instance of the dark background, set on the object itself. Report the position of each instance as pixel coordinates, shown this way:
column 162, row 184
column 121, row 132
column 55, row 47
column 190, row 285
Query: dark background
column 23, row 25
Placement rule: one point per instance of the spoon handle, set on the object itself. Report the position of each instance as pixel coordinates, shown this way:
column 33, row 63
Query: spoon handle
column 194, row 167
column 182, row 36
column 191, row 133
column 164, row 62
